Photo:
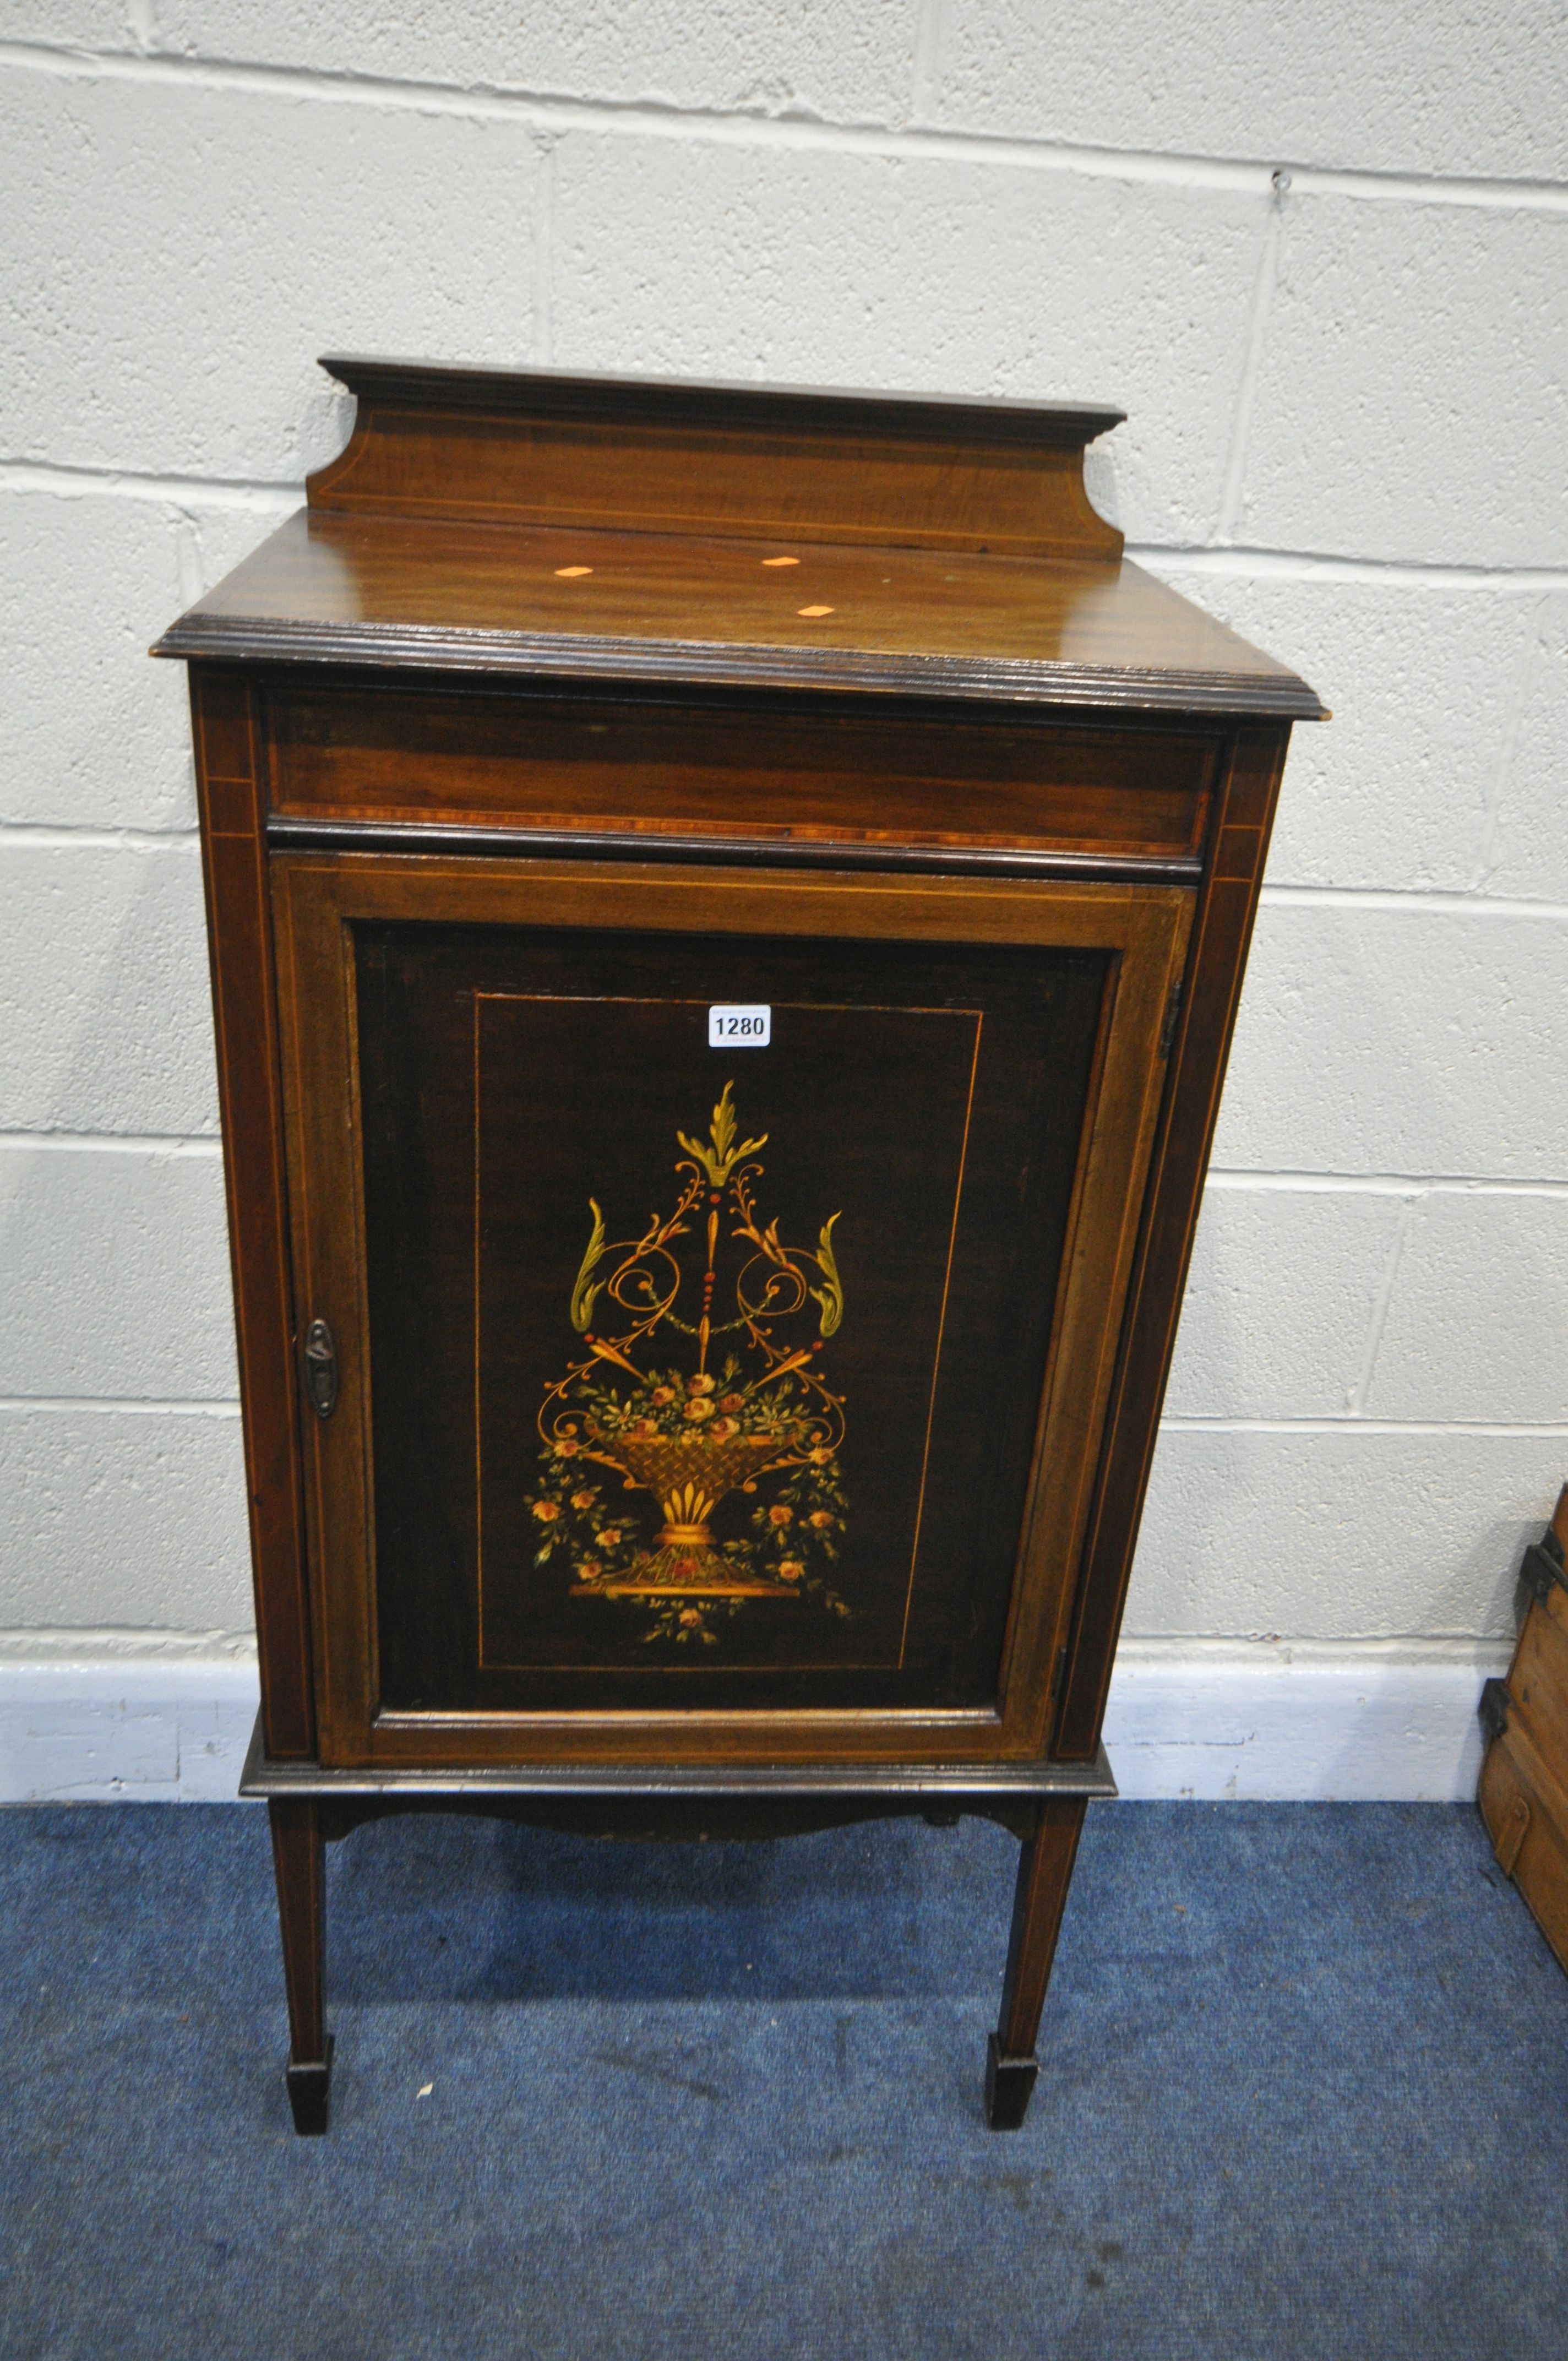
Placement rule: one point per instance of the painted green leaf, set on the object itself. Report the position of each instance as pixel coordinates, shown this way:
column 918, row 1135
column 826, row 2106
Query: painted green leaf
column 831, row 1297
column 582, row 1294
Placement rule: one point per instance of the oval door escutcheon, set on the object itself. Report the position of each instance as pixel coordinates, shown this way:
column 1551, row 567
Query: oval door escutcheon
column 321, row 1368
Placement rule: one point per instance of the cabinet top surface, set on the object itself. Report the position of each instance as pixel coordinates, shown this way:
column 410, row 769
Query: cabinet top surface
column 524, row 524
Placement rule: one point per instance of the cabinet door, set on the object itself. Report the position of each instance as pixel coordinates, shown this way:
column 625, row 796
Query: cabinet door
column 722, row 1273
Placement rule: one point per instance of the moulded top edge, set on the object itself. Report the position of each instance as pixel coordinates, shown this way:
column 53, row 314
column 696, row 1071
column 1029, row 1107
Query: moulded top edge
column 1111, row 689
column 587, row 602
column 826, row 409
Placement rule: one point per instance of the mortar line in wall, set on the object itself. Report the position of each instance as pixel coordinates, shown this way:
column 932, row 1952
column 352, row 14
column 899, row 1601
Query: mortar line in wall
column 1227, row 1179
column 204, row 1144
column 1508, row 742
column 930, row 38
column 189, row 555
column 1263, row 282
column 1239, row 559
column 82, row 481
column 44, row 1646
column 1427, row 188
column 1240, row 1177
column 1378, row 1318
column 1174, row 1422
column 117, row 1405
column 1522, row 1430
column 1418, row 897
column 1282, row 1646
column 649, row 118
column 29, row 836
column 544, row 337
column 26, row 836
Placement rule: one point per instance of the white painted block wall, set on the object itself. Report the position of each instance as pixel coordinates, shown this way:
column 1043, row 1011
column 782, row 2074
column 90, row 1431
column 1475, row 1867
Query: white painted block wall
column 1320, row 254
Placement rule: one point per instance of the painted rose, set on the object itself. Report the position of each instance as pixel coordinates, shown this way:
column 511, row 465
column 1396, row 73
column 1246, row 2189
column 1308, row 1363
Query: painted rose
column 723, row 1427
column 780, row 1515
column 790, row 1569
column 567, row 1447
column 587, row 1570
column 661, row 1395
column 691, row 1617
column 640, row 1427
column 822, row 1519
column 610, row 1538
column 582, row 1499
column 820, row 1457
column 699, row 1407
column 701, row 1384
column 547, row 1512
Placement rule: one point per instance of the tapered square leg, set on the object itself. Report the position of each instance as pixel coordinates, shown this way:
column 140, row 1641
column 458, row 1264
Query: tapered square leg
column 1045, row 1873
column 1009, row 2086
column 297, row 1857
column 310, row 2091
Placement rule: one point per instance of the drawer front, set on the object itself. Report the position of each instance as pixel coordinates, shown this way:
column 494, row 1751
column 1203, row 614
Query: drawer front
column 720, row 1276
column 777, row 776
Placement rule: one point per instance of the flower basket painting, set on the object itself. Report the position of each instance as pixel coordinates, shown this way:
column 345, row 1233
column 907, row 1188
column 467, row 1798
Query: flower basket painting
column 703, row 1378
column 671, row 1416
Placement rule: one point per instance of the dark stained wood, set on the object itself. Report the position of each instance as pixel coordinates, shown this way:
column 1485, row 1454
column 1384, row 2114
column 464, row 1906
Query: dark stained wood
column 677, row 848
column 319, row 902
column 1523, row 1790
column 773, row 775
column 492, row 600
column 533, row 446
column 1212, row 989
column 703, row 665
column 829, row 411
column 935, row 1093
column 719, row 1818
column 922, row 1786
column 1525, row 1808
column 297, row 1859
column 1045, row 1873
column 239, row 935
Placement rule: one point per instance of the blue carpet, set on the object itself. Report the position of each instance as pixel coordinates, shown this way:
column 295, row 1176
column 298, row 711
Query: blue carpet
column 1304, row 2093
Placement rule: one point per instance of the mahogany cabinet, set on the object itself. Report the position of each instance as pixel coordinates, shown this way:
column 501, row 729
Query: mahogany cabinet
column 726, row 908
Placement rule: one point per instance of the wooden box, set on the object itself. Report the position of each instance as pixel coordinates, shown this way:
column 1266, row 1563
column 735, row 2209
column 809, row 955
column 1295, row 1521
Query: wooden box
column 1524, row 1776
column 726, row 911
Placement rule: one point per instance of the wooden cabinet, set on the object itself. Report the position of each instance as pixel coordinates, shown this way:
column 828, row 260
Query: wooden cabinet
column 726, row 911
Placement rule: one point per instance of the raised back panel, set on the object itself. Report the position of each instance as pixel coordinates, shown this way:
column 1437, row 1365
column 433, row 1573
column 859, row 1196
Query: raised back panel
column 533, row 448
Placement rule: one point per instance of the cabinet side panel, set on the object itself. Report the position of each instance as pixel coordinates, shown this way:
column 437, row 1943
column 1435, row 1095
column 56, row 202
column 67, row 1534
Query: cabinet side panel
column 1216, row 964
column 243, row 1007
